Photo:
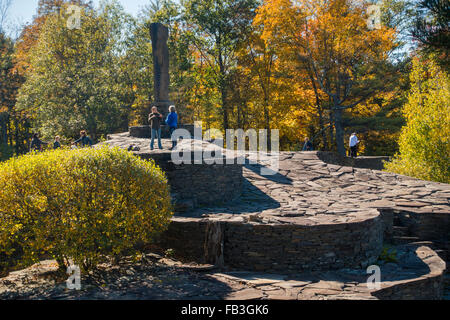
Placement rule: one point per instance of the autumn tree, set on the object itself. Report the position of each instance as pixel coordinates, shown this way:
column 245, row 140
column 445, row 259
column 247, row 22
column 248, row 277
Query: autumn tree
column 4, row 7
column 330, row 40
column 216, row 28
column 30, row 33
column 6, row 50
column 14, row 127
column 76, row 79
column 257, row 55
column 432, row 29
column 425, row 140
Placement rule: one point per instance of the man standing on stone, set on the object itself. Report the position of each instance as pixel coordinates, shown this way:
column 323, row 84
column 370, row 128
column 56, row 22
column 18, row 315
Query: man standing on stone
column 155, row 119
column 354, row 145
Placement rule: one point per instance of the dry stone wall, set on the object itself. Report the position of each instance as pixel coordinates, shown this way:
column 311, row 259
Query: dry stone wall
column 191, row 184
column 281, row 248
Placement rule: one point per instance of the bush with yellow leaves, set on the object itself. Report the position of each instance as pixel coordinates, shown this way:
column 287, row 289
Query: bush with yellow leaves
column 80, row 206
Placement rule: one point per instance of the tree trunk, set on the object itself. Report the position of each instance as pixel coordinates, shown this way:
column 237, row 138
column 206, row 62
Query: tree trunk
column 239, row 111
column 267, row 124
column 224, row 107
column 3, row 128
column 319, row 109
column 16, row 135
column 322, row 128
column 339, row 131
column 331, row 130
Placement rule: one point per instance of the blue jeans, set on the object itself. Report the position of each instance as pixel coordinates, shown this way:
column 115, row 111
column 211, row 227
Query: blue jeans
column 156, row 133
column 174, row 141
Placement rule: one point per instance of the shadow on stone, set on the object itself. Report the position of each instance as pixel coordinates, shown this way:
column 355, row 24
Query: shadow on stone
column 274, row 176
column 252, row 200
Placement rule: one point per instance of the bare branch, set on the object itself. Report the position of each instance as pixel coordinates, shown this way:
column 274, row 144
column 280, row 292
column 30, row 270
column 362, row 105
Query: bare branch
column 4, row 8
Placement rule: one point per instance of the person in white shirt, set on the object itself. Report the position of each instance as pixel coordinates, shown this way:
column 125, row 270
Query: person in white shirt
column 354, row 145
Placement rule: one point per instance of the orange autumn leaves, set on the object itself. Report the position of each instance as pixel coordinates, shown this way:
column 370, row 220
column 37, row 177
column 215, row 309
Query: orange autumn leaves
column 324, row 48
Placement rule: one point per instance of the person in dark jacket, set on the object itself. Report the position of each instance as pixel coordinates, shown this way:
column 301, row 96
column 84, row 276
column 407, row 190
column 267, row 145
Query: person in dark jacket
column 172, row 122
column 155, row 119
column 308, row 146
column 57, row 143
column 36, row 143
column 84, row 140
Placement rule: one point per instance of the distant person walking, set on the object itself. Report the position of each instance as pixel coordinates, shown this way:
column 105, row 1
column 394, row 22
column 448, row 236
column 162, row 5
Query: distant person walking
column 84, row 140
column 172, row 122
column 308, row 146
column 57, row 143
column 36, row 143
column 354, row 145
column 155, row 119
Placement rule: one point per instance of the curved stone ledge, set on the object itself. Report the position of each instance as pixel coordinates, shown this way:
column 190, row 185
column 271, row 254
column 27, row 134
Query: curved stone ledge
column 309, row 215
column 374, row 163
column 193, row 184
column 294, row 247
column 299, row 245
column 425, row 286
column 316, row 224
column 418, row 275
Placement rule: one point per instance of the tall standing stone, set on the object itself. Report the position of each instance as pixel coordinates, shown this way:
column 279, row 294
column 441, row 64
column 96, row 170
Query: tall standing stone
column 160, row 35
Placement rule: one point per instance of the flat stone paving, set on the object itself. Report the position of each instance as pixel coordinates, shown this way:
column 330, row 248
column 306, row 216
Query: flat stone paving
column 309, row 190
column 124, row 140
column 306, row 191
column 156, row 278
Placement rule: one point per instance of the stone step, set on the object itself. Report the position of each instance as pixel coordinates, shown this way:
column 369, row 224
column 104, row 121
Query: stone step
column 446, row 295
column 404, row 240
column 430, row 244
column 447, row 280
column 397, row 221
column 440, row 253
column 398, row 231
column 184, row 205
column 400, row 228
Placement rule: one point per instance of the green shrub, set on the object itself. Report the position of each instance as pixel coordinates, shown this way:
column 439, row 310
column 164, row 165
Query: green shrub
column 388, row 255
column 80, row 206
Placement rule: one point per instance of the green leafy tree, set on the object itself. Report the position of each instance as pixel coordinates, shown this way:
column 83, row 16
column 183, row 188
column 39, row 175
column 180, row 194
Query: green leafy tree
column 13, row 126
column 217, row 26
column 77, row 78
column 6, row 49
column 425, row 140
column 432, row 29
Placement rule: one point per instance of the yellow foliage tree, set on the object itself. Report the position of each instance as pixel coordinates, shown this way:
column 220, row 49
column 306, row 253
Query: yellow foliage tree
column 330, row 42
column 425, row 140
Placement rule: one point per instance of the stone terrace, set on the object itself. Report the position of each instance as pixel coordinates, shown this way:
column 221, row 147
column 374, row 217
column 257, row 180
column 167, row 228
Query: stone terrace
column 312, row 216
column 417, row 276
column 335, row 216
column 308, row 188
